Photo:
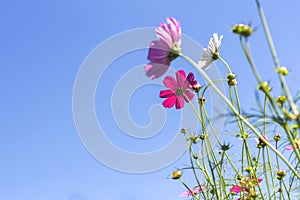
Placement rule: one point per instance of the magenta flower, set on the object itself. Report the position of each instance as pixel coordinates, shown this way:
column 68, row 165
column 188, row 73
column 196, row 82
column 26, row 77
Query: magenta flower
column 195, row 191
column 164, row 50
column 179, row 91
column 195, row 85
column 236, row 189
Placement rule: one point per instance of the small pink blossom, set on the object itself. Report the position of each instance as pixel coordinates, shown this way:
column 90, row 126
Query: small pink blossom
column 289, row 148
column 297, row 144
column 236, row 189
column 164, row 50
column 179, row 91
column 190, row 192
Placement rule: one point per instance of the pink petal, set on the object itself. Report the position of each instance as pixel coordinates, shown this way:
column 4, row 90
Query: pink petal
column 180, row 76
column 195, row 191
column 158, row 51
column 169, row 102
column 166, row 93
column 236, row 189
column 189, row 95
column 164, row 35
column 259, row 180
column 173, row 29
column 185, row 194
column 171, row 83
column 155, row 70
column 179, row 102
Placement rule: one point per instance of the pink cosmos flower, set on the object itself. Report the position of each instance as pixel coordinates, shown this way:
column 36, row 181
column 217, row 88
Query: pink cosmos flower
column 195, row 191
column 164, row 50
column 179, row 91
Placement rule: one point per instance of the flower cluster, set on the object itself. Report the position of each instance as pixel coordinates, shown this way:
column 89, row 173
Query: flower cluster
column 280, row 111
column 246, row 186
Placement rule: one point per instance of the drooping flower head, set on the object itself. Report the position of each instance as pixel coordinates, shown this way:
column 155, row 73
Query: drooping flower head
column 179, row 91
column 164, row 50
column 211, row 53
column 194, row 191
column 195, row 85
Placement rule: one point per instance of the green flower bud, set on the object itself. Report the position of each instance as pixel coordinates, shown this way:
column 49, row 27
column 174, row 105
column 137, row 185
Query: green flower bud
column 277, row 137
column 202, row 136
column 281, row 99
column 184, row 130
column 242, row 30
column 264, row 86
column 280, row 174
column 194, row 138
column 282, row 70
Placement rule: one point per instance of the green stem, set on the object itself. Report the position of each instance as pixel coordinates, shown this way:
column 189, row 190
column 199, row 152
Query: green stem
column 275, row 58
column 206, row 77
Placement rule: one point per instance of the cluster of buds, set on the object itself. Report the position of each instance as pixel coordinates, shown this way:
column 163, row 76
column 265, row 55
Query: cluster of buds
column 242, row 30
column 231, row 79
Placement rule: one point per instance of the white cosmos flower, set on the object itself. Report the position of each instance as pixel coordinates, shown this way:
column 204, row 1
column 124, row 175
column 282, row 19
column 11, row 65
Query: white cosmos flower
column 210, row 53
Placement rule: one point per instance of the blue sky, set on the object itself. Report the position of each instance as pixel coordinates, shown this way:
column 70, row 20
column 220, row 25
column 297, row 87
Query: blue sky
column 44, row 43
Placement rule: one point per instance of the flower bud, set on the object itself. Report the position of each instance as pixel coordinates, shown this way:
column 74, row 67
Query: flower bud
column 202, row 136
column 225, row 147
column 277, row 137
column 239, row 177
column 280, row 174
column 184, row 130
column 248, row 169
column 194, row 138
column 281, row 99
column 282, row 70
column 261, row 143
column 232, row 82
column 264, row 86
column 177, row 174
column 245, row 135
column 201, row 100
column 242, row 30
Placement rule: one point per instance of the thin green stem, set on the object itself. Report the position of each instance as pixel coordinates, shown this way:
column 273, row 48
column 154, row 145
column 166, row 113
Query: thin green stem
column 206, row 77
column 275, row 57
